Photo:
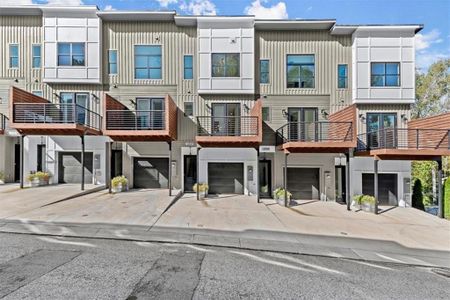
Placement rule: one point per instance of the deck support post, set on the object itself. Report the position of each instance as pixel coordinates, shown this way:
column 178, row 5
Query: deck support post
column 257, row 177
column 82, row 161
column 21, row 159
column 285, row 179
column 198, row 173
column 108, row 146
column 439, row 185
column 375, row 183
column 348, row 185
column 170, row 168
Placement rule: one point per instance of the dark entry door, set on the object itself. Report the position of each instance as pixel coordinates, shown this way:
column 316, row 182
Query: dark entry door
column 151, row 172
column 116, row 163
column 381, row 130
column 303, row 126
column 226, row 178
column 17, row 162
column 69, row 167
column 303, row 183
column 190, row 172
column 387, row 188
column 265, row 179
column 226, row 119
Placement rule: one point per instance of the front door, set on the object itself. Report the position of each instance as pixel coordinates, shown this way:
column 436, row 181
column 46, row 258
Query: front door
column 150, row 113
column 381, row 130
column 265, row 179
column 226, row 119
column 303, row 126
column 190, row 172
column 17, row 162
column 116, row 163
column 79, row 110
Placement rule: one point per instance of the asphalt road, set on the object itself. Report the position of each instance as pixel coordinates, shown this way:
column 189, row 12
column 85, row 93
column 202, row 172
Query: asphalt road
column 39, row 267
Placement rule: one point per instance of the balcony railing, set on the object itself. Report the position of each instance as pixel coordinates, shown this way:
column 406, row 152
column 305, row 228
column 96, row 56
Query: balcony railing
column 135, row 120
column 404, row 138
column 227, row 126
column 56, row 113
column 321, row 131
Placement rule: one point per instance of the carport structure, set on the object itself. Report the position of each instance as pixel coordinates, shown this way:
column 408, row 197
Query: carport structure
column 423, row 139
column 335, row 135
column 122, row 124
column 34, row 115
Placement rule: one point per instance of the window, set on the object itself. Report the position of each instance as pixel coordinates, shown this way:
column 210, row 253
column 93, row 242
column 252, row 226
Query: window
column 71, row 54
column 14, row 56
column 300, row 71
column 264, row 71
column 266, row 114
column 188, row 67
column 225, row 65
column 385, row 74
column 147, row 62
column 36, row 56
column 112, row 62
column 342, row 76
column 189, row 108
column 37, row 93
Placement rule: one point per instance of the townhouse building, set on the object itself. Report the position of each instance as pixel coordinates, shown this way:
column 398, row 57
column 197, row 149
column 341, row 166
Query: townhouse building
column 242, row 104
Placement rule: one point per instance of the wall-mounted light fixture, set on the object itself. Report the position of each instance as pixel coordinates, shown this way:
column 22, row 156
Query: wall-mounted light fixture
column 208, row 107
column 404, row 117
column 324, row 114
column 16, row 80
column 56, row 95
column 133, row 102
column 284, row 113
column 246, row 108
column 115, row 86
column 362, row 117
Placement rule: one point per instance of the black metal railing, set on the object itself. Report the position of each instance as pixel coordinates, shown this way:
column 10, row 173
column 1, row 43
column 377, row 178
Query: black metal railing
column 135, row 119
column 227, row 126
column 56, row 113
column 3, row 122
column 404, row 138
column 321, row 131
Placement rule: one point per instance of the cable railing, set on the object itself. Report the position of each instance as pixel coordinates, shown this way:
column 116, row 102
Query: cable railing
column 320, row 131
column 56, row 113
column 404, row 138
column 135, row 119
column 227, row 126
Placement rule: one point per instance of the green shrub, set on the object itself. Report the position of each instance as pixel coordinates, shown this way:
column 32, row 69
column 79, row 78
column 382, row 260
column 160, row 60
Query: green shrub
column 447, row 198
column 2, row 176
column 202, row 187
column 357, row 199
column 367, row 199
column 280, row 192
column 417, row 195
column 39, row 176
column 119, row 180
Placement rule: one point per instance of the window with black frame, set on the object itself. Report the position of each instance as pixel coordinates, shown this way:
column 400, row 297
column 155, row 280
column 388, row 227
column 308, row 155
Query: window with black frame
column 300, row 71
column 225, row 65
column 71, row 54
column 382, row 130
column 385, row 74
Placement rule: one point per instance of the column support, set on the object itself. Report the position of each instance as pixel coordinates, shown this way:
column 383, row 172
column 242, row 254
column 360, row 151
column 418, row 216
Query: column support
column 348, row 185
column 258, row 196
column 285, row 180
column 21, row 160
column 375, row 183
column 82, row 161
column 108, row 146
column 439, row 184
column 198, row 173
column 170, row 168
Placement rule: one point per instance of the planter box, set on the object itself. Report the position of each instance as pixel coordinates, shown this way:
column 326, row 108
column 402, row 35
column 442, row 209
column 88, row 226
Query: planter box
column 119, row 188
column 368, row 207
column 280, row 200
column 202, row 195
column 39, row 182
column 356, row 205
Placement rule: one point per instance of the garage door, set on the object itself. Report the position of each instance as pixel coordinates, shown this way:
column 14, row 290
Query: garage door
column 69, row 167
column 387, row 188
column 303, row 183
column 151, row 173
column 226, row 178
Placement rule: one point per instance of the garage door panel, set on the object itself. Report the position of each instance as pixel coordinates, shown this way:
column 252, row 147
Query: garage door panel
column 387, row 188
column 226, row 178
column 303, row 183
column 69, row 167
column 151, row 172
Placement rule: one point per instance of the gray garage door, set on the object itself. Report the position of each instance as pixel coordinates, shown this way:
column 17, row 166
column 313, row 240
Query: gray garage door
column 69, row 167
column 387, row 188
column 151, row 173
column 226, row 178
column 303, row 183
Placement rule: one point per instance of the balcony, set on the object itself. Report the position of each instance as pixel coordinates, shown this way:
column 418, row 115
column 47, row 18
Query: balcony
column 123, row 124
column 321, row 136
column 231, row 131
column 33, row 115
column 405, row 143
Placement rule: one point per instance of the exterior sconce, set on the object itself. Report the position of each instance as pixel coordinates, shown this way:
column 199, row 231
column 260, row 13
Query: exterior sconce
column 324, row 114
column 56, row 95
column 284, row 113
column 404, row 118
column 133, row 102
column 208, row 107
column 362, row 117
column 16, row 80
column 246, row 108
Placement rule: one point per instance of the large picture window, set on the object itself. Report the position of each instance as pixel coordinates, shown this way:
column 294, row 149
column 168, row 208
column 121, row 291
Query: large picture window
column 71, row 54
column 225, row 65
column 300, row 71
column 385, row 74
column 147, row 62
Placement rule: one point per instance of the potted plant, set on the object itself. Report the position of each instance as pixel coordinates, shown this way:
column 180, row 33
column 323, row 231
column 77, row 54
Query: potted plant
column 119, row 184
column 368, row 203
column 356, row 201
column 38, row 178
column 279, row 195
column 2, row 177
column 202, row 189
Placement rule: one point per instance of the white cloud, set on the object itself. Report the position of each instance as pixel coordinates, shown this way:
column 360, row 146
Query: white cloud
column 424, row 41
column 199, row 7
column 425, row 59
column 109, row 7
column 15, row 2
column 165, row 3
column 276, row 11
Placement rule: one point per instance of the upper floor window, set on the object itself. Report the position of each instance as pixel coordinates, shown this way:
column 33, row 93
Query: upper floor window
column 71, row 54
column 225, row 65
column 112, row 62
column 266, row 113
column 385, row 74
column 300, row 71
column 13, row 56
column 189, row 108
column 36, row 56
column 342, row 76
column 264, row 71
column 147, row 62
column 188, row 67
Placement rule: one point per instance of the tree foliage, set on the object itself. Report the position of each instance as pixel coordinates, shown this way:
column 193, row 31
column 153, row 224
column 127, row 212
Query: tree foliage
column 417, row 196
column 447, row 198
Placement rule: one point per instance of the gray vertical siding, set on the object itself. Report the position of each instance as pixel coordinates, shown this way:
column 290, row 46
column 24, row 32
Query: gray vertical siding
column 399, row 109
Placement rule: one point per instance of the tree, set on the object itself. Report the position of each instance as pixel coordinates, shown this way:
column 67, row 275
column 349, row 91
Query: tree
column 417, row 196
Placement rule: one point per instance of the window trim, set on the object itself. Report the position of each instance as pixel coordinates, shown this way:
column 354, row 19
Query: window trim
column 184, row 109
column 33, row 57
column 9, row 56
column 268, row 70
column 286, row 66
column 385, row 74
column 71, row 55
column 134, row 62
column 116, row 63
column 225, row 71
column 191, row 68
column 339, row 77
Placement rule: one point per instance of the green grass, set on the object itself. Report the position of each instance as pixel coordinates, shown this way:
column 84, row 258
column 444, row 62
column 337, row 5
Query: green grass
column 447, row 198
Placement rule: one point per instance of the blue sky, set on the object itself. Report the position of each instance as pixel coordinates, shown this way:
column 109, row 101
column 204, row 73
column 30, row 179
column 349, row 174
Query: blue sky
column 432, row 43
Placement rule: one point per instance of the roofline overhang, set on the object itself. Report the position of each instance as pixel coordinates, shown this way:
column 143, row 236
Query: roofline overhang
column 277, row 24
column 137, row 15
column 350, row 29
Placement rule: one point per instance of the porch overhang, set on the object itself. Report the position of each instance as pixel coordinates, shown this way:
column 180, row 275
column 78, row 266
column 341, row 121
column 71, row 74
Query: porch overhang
column 317, row 147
